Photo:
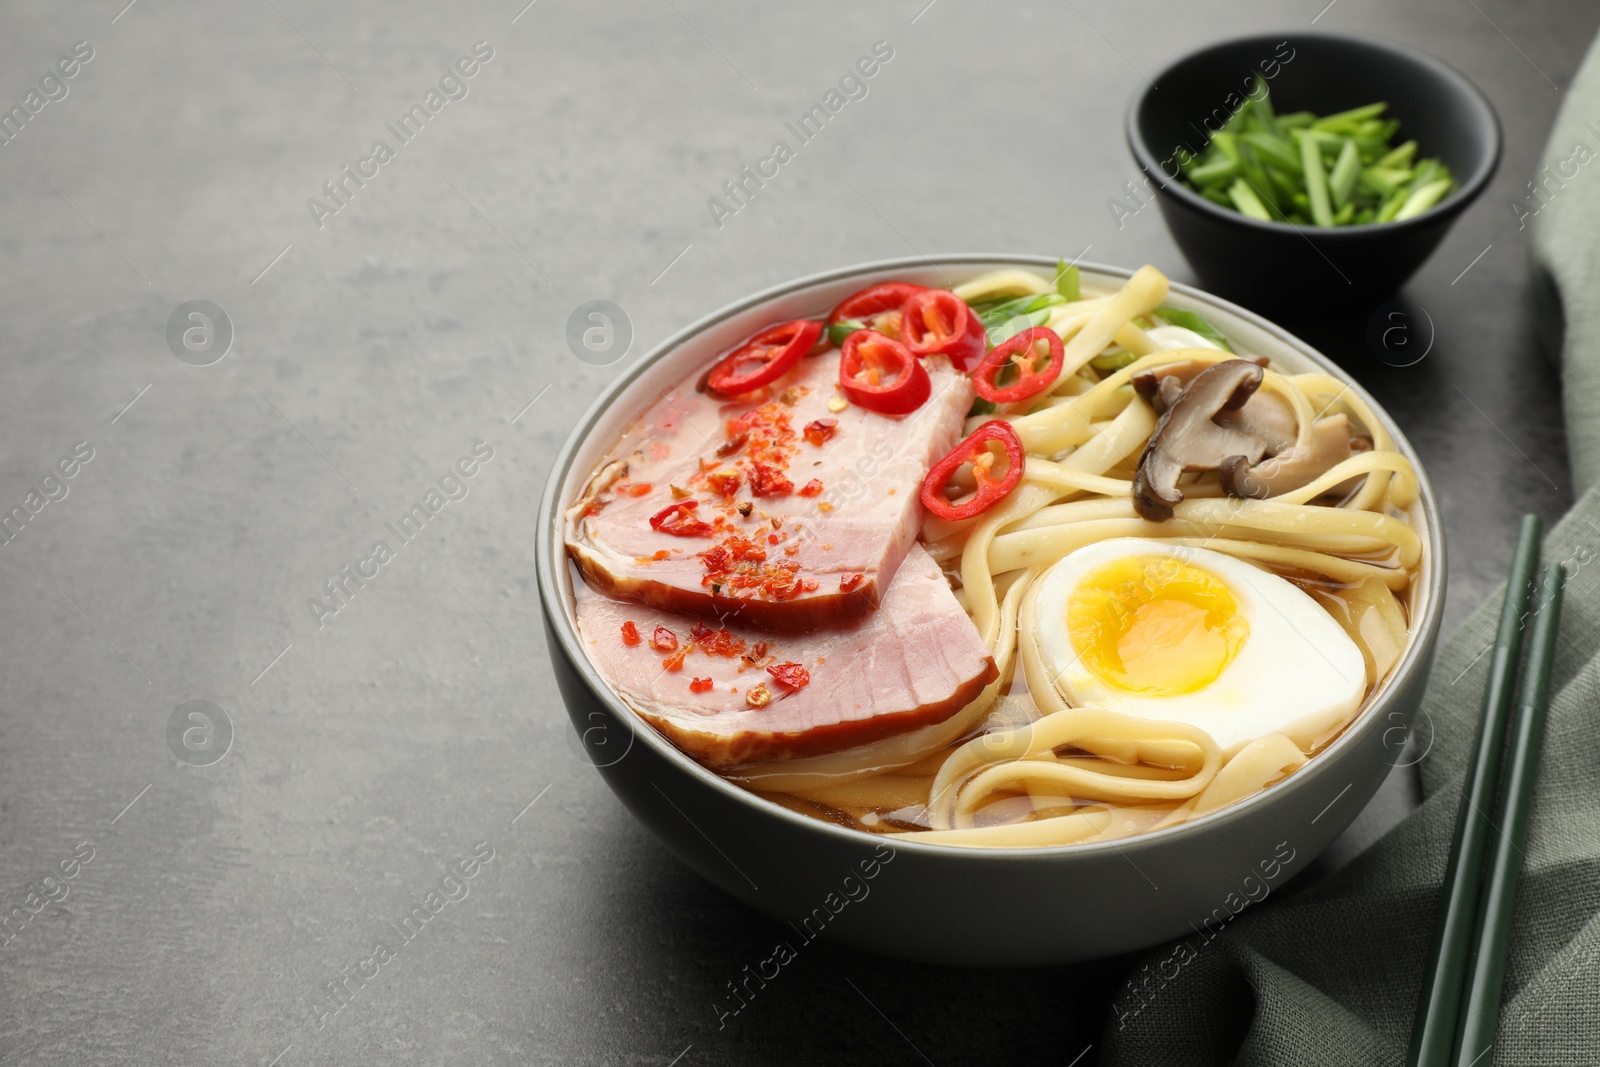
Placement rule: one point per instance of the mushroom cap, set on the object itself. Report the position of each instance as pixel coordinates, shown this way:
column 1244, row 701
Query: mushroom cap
column 1189, row 438
column 1293, row 467
column 1265, row 415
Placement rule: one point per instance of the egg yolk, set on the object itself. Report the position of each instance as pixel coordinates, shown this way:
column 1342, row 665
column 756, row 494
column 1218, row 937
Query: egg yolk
column 1154, row 625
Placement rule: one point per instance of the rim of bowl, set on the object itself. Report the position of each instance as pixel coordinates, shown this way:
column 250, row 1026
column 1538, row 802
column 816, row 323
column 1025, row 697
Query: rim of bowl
column 1459, row 199
column 550, row 559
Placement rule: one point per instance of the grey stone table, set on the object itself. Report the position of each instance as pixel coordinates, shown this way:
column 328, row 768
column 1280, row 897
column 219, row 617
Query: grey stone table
column 371, row 841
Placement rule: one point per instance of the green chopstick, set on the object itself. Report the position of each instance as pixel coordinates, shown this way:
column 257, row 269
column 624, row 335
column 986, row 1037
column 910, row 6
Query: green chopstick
column 1480, row 1005
column 1433, row 1032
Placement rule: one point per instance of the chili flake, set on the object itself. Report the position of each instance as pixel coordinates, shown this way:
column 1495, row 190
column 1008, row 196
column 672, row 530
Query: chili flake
column 678, row 520
column 663, row 640
column 767, row 480
column 721, row 642
column 746, row 551
column 819, row 430
column 801, row 585
column 811, row 488
column 630, row 634
column 700, row 685
column 724, row 482
column 790, row 674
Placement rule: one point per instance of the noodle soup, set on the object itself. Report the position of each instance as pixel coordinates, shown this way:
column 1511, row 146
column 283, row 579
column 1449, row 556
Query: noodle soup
column 1015, row 564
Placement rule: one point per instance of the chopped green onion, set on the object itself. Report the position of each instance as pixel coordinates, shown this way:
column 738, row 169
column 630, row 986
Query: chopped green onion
column 1392, row 206
column 1385, row 180
column 1022, row 306
column 1426, row 172
column 1400, row 157
column 1284, row 185
column 1255, row 176
column 1423, row 199
column 1248, row 203
column 1112, row 361
column 1329, row 143
column 1237, row 119
column 1261, row 106
column 1277, row 151
column 1342, row 180
column 1007, row 328
column 1309, row 169
column 838, row 331
column 1316, row 182
column 1355, row 114
column 1217, row 172
column 1067, row 280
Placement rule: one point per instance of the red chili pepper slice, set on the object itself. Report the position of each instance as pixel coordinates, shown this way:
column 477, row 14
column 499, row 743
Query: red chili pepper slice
column 938, row 322
column 764, row 358
column 878, row 306
column 679, row 521
column 880, row 374
column 975, row 450
column 1021, row 353
column 790, row 674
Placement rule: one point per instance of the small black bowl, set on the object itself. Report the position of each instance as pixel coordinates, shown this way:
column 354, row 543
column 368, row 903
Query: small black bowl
column 1277, row 265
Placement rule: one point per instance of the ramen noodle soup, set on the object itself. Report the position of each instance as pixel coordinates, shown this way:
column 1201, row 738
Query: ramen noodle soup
column 1013, row 564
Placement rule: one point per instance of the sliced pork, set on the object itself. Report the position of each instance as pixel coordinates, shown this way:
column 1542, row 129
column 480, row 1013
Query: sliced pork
column 733, row 694
column 786, row 509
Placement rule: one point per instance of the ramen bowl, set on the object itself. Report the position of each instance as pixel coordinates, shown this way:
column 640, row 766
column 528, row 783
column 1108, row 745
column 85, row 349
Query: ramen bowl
column 950, row 904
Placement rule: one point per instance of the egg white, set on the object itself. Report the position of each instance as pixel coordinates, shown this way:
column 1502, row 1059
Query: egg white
column 1298, row 672
column 1168, row 336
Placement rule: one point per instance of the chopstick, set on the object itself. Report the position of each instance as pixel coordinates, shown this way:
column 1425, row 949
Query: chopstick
column 1433, row 1033
column 1480, row 1006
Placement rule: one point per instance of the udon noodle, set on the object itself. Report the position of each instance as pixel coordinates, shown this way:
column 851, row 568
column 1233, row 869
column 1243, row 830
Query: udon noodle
column 1018, row 766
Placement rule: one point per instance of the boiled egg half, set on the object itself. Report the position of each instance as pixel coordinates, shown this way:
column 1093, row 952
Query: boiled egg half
column 1183, row 634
